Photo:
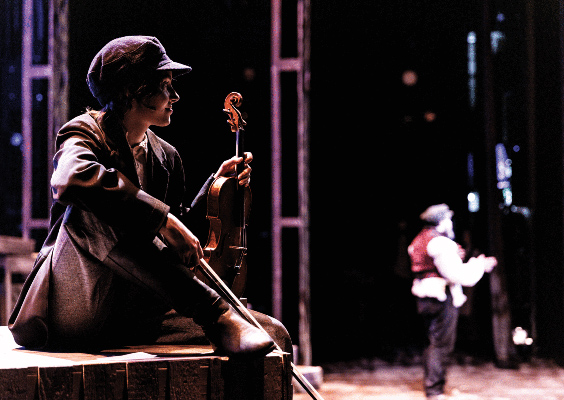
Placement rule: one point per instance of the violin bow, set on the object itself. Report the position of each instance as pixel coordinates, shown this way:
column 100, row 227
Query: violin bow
column 245, row 313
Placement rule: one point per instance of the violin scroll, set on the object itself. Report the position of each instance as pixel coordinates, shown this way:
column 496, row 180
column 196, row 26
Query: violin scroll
column 232, row 101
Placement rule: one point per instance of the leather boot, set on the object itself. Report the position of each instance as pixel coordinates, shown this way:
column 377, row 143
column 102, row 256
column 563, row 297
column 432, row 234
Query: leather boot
column 231, row 335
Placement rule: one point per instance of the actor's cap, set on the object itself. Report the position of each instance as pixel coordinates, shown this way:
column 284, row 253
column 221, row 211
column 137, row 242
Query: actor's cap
column 125, row 55
column 436, row 214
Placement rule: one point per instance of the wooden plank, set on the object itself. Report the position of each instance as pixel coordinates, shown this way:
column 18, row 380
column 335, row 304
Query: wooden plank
column 216, row 385
column 19, row 383
column 246, row 380
column 105, row 381
column 32, row 383
column 147, row 380
column 277, row 382
column 164, row 350
column 189, row 379
column 60, row 382
column 16, row 245
column 267, row 378
column 19, row 263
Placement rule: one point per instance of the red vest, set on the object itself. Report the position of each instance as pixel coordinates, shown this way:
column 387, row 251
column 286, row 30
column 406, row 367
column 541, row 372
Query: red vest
column 422, row 264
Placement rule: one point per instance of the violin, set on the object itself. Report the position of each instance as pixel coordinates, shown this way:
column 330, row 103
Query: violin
column 223, row 265
column 228, row 208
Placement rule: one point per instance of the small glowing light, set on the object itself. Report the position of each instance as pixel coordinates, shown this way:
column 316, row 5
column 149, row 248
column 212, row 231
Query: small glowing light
column 521, row 337
column 249, row 74
column 496, row 37
column 473, row 202
column 472, row 67
column 16, row 139
column 507, row 196
column 524, row 211
column 429, row 116
column 503, row 164
column 39, row 97
column 409, row 78
column 516, row 148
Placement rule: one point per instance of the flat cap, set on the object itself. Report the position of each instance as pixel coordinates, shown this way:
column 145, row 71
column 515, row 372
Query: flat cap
column 436, row 213
column 124, row 56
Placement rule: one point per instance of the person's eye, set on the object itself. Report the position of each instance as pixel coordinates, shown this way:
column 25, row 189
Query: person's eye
column 166, row 86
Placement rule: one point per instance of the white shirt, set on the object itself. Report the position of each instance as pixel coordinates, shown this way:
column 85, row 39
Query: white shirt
column 140, row 154
column 454, row 272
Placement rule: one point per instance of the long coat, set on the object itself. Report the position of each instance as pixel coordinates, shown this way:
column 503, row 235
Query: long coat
column 98, row 203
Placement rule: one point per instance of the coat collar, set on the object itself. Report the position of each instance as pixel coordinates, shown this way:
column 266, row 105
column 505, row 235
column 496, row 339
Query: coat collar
column 158, row 173
column 156, row 147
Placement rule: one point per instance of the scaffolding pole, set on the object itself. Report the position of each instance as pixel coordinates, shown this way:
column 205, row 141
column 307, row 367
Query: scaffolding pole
column 299, row 65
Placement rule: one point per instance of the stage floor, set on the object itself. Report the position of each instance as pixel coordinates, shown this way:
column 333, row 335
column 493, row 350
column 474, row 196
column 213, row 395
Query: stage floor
column 377, row 380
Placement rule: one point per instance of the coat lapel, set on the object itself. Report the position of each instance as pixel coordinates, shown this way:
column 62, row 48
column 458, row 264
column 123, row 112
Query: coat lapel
column 158, row 174
column 121, row 155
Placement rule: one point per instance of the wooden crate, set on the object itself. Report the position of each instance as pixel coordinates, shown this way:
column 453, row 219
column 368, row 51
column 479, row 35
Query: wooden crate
column 137, row 374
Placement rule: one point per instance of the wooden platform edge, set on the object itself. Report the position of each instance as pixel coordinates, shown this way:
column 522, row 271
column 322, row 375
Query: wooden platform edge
column 208, row 377
column 184, row 378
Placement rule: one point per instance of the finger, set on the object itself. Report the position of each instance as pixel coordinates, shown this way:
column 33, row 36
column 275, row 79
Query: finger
column 246, row 173
column 236, row 160
column 244, row 177
column 191, row 261
column 195, row 261
column 230, row 163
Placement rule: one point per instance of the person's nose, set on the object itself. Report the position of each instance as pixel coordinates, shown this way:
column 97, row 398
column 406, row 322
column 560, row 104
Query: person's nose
column 173, row 95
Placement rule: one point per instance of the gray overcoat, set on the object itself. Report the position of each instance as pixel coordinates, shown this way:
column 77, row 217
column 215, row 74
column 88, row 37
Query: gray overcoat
column 98, row 203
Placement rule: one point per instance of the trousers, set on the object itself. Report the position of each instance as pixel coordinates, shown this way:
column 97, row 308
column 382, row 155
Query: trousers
column 440, row 319
column 140, row 294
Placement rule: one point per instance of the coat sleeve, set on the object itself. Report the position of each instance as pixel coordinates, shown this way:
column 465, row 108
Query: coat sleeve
column 84, row 177
column 449, row 264
column 202, row 193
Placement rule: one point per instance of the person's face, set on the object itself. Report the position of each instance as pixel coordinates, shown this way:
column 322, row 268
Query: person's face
column 157, row 108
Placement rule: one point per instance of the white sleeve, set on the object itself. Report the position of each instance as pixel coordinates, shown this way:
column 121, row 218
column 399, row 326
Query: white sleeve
column 445, row 256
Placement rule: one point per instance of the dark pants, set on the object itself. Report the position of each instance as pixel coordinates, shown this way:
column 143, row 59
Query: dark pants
column 140, row 294
column 440, row 319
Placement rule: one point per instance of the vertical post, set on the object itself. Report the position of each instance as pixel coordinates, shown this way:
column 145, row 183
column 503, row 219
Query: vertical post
column 300, row 65
column 303, row 180
column 55, row 71
column 531, row 163
column 60, row 81
column 501, row 315
column 27, row 37
column 276, row 158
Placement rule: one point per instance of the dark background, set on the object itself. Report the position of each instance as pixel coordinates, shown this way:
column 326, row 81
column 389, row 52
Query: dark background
column 375, row 161
column 369, row 167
